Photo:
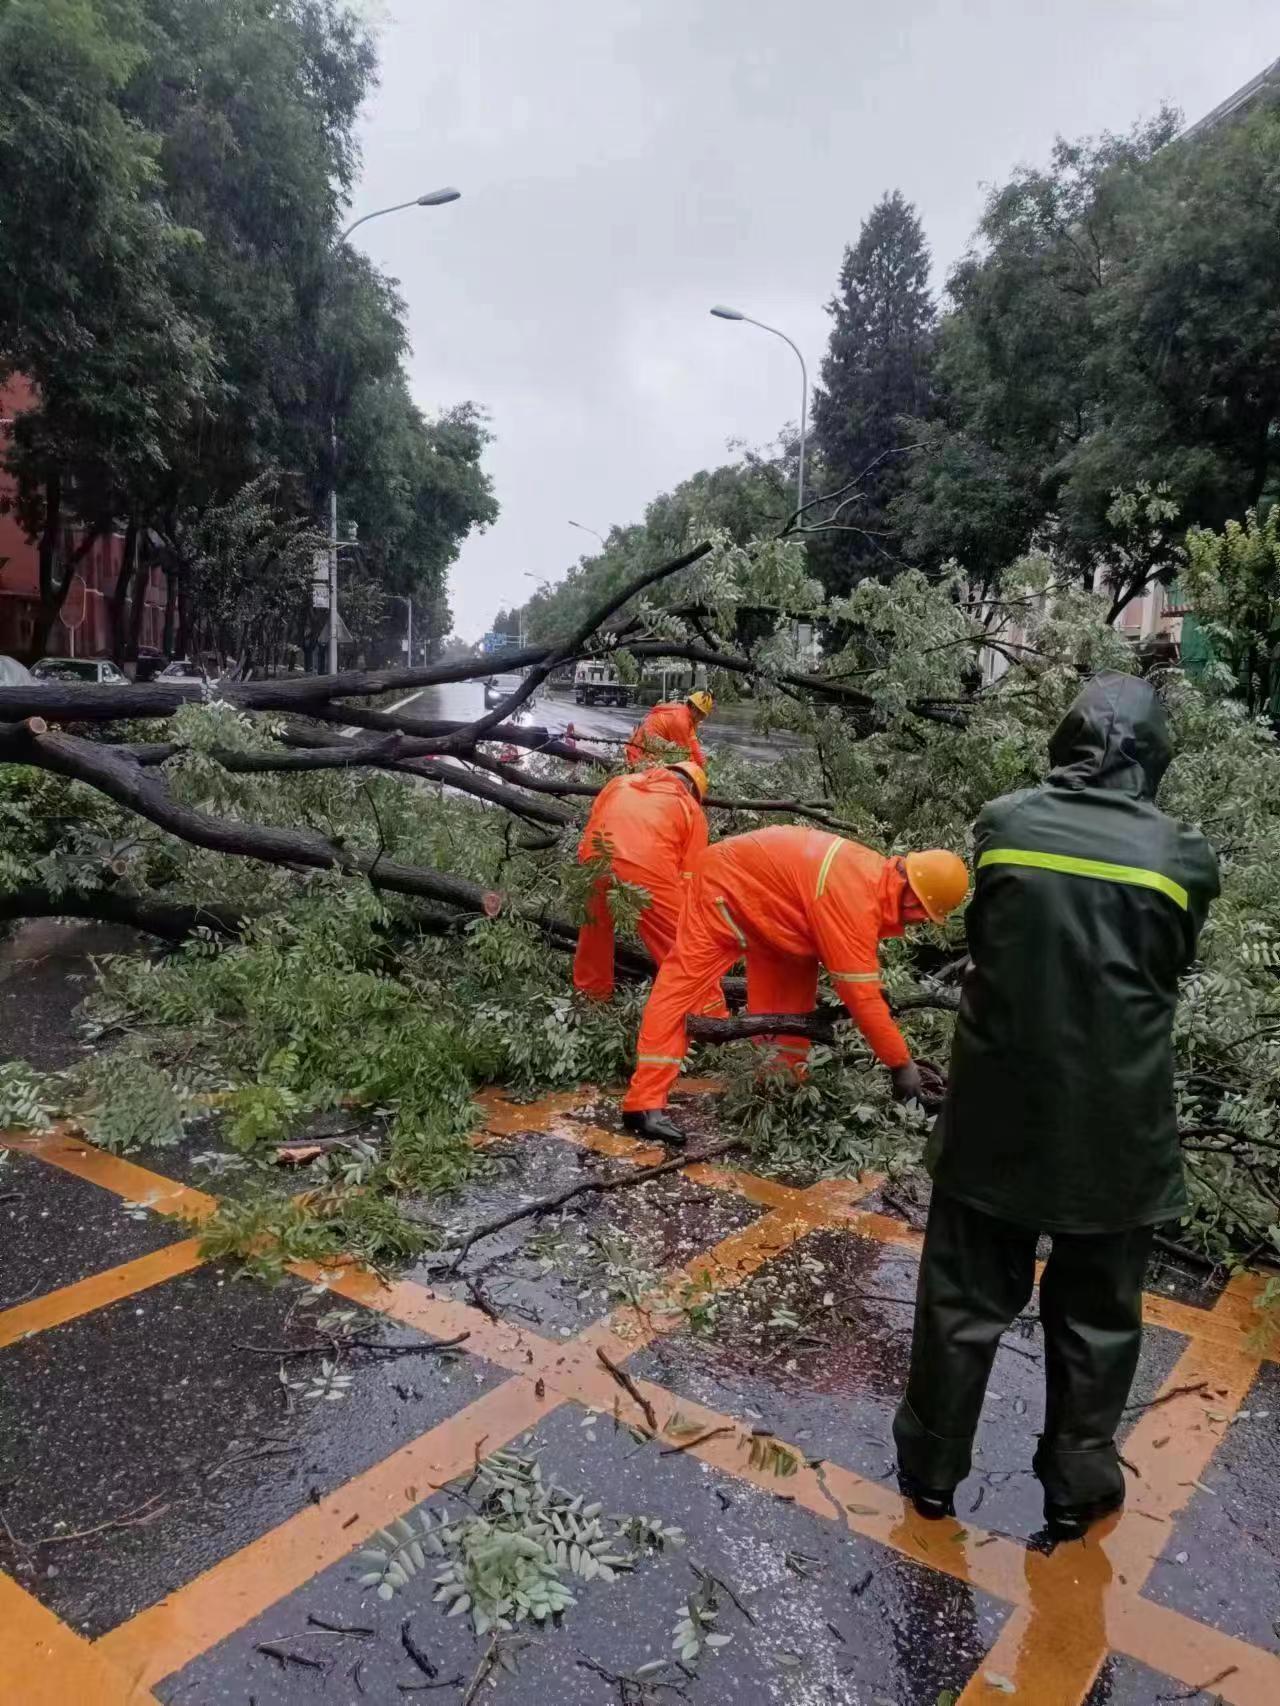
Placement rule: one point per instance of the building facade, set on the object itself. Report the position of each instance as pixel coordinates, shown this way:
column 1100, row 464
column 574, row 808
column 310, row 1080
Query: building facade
column 85, row 629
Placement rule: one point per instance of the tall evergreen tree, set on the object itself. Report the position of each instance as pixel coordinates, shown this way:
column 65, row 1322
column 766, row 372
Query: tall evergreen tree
column 877, row 371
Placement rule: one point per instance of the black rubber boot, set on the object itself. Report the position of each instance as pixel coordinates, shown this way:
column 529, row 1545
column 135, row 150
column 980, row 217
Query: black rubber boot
column 933, row 1503
column 1072, row 1522
column 656, row 1124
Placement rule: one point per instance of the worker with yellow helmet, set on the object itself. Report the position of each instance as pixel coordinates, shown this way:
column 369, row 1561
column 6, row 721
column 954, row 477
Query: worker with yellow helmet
column 790, row 901
column 671, row 731
column 651, row 827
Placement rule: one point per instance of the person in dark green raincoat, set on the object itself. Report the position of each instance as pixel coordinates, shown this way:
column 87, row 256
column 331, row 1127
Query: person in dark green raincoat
column 1059, row 1116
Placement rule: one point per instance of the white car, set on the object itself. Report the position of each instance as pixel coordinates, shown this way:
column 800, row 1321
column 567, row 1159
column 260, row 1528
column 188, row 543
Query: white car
column 13, row 673
column 99, row 670
column 500, row 687
column 184, row 671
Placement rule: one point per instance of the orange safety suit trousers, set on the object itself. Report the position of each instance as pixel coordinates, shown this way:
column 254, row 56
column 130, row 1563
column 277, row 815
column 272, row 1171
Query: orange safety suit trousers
column 593, row 961
column 708, row 942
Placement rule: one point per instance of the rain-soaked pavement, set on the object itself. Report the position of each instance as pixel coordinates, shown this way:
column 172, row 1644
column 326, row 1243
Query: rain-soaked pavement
column 606, row 727
column 190, row 1463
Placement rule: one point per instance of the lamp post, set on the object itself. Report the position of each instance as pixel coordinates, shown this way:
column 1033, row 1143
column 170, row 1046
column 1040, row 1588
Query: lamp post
column 723, row 313
column 583, row 529
column 433, row 198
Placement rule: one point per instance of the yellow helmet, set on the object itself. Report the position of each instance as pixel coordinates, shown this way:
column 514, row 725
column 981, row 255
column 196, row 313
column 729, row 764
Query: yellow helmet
column 702, row 701
column 939, row 880
column 696, row 774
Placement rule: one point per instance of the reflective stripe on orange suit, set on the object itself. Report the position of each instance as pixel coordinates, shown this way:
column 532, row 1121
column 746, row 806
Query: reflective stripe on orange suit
column 653, row 830
column 666, row 726
column 790, row 899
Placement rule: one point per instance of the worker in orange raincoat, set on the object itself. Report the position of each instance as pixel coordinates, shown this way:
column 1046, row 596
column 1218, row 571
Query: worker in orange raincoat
column 671, row 731
column 791, row 900
column 651, row 827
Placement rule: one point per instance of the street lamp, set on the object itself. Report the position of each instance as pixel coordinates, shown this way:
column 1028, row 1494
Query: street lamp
column 582, row 529
column 723, row 313
column 433, row 198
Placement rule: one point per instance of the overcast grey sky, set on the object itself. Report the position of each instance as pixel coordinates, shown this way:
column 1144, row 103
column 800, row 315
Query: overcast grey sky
column 626, row 163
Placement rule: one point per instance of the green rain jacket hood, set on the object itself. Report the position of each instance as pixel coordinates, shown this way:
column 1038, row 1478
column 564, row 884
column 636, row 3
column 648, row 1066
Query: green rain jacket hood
column 1087, row 905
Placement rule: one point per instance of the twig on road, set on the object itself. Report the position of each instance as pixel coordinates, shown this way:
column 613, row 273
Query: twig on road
column 416, row 1653
column 622, row 1181
column 284, row 1657
column 1165, row 1397
column 631, row 1389
column 692, row 1444
column 335, row 1346
column 145, row 1513
column 482, row 1671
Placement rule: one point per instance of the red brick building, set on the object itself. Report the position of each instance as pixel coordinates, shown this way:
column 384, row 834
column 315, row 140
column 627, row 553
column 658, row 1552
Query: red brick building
column 85, row 630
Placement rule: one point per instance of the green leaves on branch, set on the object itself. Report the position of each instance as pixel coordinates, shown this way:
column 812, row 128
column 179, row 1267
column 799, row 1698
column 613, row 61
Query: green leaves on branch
column 510, row 1560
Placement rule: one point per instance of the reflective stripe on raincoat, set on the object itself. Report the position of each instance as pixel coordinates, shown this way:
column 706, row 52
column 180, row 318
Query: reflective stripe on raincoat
column 1087, row 905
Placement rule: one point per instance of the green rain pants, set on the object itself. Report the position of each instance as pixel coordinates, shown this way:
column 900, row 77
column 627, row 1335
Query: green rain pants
column 976, row 1275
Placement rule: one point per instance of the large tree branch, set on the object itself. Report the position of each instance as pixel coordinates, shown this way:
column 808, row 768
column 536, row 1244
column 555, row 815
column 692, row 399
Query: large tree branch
column 172, row 921
column 820, row 1025
column 89, row 703
column 430, row 730
column 393, row 754
column 822, row 686
column 143, row 791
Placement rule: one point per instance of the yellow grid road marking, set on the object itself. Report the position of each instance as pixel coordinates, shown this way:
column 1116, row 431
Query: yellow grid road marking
column 1069, row 1608
column 43, row 1663
column 52, row 1308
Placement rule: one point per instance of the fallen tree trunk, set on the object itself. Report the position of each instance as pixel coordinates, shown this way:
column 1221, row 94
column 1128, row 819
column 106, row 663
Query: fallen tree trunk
column 172, row 921
column 820, row 1025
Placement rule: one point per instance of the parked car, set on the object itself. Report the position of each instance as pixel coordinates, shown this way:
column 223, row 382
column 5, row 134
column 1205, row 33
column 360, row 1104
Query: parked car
column 186, row 670
column 99, row 670
column 500, row 687
column 599, row 684
column 13, row 673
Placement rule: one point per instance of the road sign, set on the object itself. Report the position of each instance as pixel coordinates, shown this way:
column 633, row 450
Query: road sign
column 319, row 580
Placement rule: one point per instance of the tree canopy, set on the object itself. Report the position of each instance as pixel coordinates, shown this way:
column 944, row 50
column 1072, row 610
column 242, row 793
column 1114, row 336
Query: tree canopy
column 173, row 181
column 1113, row 330
column 876, row 377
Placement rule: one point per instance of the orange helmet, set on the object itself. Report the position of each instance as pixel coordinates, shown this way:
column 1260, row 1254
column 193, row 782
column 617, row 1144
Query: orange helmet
column 939, row 881
column 702, row 702
column 696, row 774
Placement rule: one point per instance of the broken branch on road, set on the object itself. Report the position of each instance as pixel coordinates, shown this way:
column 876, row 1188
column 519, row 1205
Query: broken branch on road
column 622, row 1181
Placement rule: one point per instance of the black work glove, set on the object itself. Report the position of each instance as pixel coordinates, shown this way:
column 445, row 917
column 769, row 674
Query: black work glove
column 907, row 1083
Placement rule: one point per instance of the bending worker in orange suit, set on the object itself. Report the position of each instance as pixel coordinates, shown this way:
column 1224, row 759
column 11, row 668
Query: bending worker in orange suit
column 790, row 900
column 671, row 727
column 651, row 827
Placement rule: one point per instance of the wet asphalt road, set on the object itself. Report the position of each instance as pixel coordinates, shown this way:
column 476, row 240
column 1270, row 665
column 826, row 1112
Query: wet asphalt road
column 729, row 729
column 184, row 1489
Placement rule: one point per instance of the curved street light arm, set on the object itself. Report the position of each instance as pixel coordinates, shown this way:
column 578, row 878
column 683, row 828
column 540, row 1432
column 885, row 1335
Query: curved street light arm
column 804, row 398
